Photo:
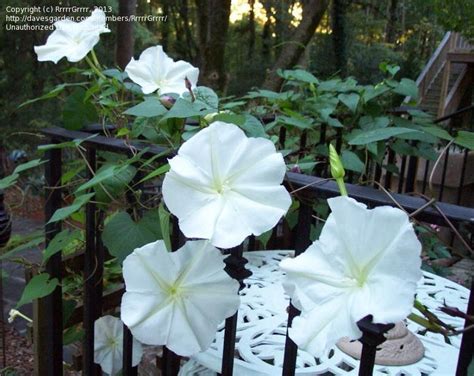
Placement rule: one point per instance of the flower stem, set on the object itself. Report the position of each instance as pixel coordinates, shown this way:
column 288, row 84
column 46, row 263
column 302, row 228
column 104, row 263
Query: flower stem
column 94, row 68
column 94, row 59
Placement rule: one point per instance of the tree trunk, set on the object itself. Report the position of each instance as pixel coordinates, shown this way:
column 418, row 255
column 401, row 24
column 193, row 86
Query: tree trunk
column 125, row 40
column 266, row 32
column 390, row 32
column 339, row 35
column 289, row 56
column 251, row 48
column 213, row 24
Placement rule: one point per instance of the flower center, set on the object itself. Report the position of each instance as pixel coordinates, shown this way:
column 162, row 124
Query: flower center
column 112, row 342
column 360, row 277
column 222, row 187
column 174, row 291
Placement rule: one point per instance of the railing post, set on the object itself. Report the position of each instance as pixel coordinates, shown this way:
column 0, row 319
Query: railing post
column 372, row 336
column 93, row 271
column 127, row 369
column 170, row 361
column 48, row 320
column 235, row 267
column 302, row 242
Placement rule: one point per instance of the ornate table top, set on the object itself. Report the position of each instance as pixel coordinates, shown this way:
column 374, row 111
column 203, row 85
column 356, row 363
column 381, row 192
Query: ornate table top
column 262, row 328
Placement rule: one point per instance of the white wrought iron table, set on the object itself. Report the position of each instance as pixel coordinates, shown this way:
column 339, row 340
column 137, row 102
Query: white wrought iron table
column 262, row 323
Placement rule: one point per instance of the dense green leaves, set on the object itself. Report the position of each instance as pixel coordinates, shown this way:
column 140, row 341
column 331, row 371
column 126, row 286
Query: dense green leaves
column 122, row 234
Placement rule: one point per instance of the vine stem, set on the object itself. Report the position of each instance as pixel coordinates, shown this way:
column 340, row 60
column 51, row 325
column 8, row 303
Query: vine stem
column 95, row 68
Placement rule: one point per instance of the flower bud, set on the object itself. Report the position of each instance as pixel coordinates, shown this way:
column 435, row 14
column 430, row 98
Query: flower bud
column 296, row 169
column 337, row 169
column 167, row 101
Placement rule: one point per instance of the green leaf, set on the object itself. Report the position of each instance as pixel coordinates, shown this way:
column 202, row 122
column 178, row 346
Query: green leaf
column 65, row 212
column 150, row 107
column 465, row 139
column 159, row 171
column 72, row 334
column 76, row 112
column 438, row 132
column 369, row 122
column 26, row 166
column 232, row 105
column 253, row 127
column 165, row 225
column 351, row 161
column 115, row 184
column 38, row 287
column 350, row 100
column 52, row 94
column 69, row 144
column 104, row 173
column 8, row 181
column 333, row 122
column 268, row 94
column 115, row 73
column 407, row 87
column 298, row 75
column 371, row 92
column 60, row 241
column 68, row 309
column 298, row 122
column 265, row 237
column 389, row 68
column 122, row 235
column 366, row 137
column 36, row 240
column 205, row 95
column 184, row 109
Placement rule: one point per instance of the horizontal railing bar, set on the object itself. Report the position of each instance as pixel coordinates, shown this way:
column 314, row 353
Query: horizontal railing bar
column 106, row 143
column 321, row 188
column 317, row 187
column 455, row 113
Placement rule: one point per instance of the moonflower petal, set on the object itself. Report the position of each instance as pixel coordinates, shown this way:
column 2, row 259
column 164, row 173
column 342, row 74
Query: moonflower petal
column 154, row 70
column 224, row 186
column 319, row 329
column 73, row 40
column 108, row 345
column 184, row 295
column 365, row 262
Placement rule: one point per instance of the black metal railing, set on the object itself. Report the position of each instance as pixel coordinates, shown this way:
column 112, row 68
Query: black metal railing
column 48, row 313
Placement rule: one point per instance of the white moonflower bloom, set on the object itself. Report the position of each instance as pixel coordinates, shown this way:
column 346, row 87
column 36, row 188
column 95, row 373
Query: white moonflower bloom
column 73, row 40
column 108, row 345
column 155, row 70
column 365, row 262
column 225, row 186
column 177, row 299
